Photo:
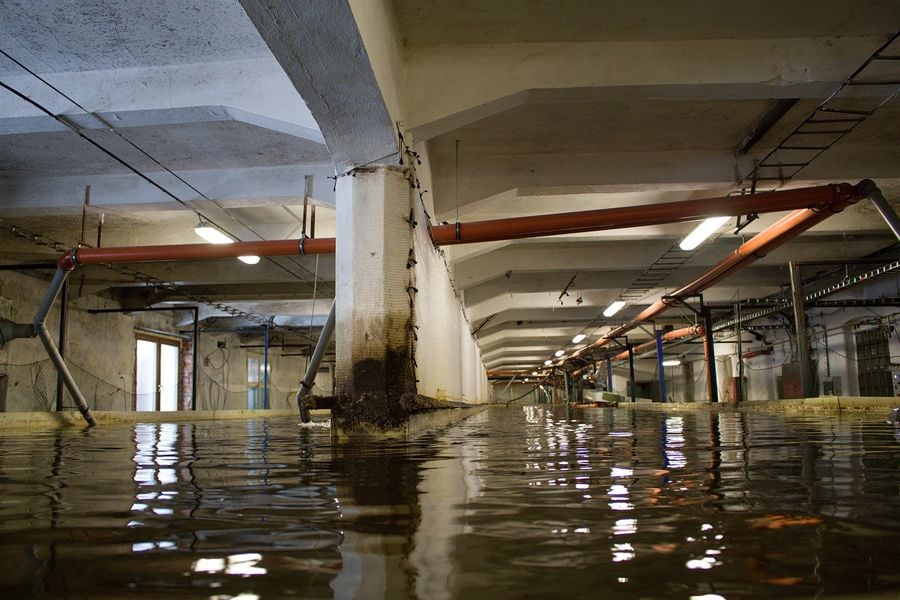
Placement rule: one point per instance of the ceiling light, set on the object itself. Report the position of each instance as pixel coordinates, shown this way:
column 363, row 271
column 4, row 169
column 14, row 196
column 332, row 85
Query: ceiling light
column 671, row 362
column 534, row 372
column 559, row 353
column 214, row 235
column 701, row 232
column 613, row 308
column 548, row 362
column 578, row 338
column 211, row 234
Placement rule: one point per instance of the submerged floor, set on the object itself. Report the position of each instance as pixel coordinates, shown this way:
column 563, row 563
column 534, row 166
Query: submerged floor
column 510, row 503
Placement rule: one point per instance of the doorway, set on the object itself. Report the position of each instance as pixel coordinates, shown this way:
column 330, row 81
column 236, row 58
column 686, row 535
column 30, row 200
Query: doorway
column 157, row 368
column 256, row 382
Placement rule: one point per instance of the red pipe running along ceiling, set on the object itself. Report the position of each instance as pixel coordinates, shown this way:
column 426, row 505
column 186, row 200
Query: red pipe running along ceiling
column 780, row 232
column 185, row 252
column 816, row 198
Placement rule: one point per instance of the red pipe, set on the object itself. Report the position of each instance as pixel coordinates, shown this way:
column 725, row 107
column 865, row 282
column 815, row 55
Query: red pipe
column 783, row 230
column 635, row 216
column 181, row 252
column 675, row 334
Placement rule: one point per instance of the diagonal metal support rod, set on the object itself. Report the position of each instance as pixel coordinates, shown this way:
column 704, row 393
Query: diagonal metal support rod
column 40, row 328
column 309, row 379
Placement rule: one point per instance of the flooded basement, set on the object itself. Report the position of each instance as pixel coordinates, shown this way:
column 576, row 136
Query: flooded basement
column 525, row 502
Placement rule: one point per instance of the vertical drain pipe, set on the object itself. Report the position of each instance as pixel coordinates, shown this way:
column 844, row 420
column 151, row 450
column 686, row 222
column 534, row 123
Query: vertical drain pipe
column 40, row 328
column 266, row 366
column 63, row 326
column 800, row 327
column 631, row 370
column 609, row 374
column 195, row 341
column 662, row 369
column 709, row 352
column 313, row 367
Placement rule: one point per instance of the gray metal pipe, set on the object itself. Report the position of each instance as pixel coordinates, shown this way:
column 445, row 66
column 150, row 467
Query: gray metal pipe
column 40, row 327
column 309, row 379
column 872, row 191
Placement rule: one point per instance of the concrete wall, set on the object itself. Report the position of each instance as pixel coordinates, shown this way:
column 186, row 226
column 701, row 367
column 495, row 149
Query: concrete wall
column 101, row 355
column 449, row 362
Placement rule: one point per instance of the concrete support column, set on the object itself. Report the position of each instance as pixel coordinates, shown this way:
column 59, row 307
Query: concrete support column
column 375, row 377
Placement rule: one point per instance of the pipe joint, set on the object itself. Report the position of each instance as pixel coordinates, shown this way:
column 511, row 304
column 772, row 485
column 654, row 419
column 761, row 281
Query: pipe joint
column 68, row 261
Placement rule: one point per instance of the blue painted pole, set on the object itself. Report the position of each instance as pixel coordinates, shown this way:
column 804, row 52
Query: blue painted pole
column 662, row 369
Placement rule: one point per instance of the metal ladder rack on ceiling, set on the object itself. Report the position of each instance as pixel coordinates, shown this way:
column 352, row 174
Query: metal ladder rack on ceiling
column 833, row 120
column 839, row 114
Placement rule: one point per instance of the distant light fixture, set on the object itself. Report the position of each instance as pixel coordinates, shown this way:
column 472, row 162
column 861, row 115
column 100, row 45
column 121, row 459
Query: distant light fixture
column 559, row 353
column 526, row 380
column 671, row 362
column 534, row 373
column 548, row 362
column 214, row 235
column 578, row 338
column 701, row 232
column 613, row 308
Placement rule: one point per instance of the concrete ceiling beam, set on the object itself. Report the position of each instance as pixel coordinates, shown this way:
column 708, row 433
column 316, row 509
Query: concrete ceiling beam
column 232, row 188
column 447, row 90
column 157, row 117
column 320, row 48
column 232, row 83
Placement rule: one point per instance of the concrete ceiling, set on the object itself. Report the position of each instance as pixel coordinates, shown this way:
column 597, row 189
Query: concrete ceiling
column 190, row 84
column 558, row 106
column 579, row 105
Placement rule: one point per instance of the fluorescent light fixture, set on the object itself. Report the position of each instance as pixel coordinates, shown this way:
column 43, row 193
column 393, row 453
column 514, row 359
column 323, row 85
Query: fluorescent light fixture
column 216, row 236
column 559, row 353
column 548, row 362
column 671, row 362
column 578, row 338
column 701, row 232
column 613, row 308
column 211, row 234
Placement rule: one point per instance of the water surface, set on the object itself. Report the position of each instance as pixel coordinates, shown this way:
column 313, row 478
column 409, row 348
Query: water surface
column 526, row 502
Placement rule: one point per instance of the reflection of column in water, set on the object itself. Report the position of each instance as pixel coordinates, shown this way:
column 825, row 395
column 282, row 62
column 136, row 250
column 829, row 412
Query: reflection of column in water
column 447, row 484
column 379, row 503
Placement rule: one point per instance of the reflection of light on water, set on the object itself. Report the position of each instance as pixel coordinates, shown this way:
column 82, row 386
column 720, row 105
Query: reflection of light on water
column 706, row 562
column 156, row 452
column 625, row 527
column 675, row 459
column 236, row 564
column 622, row 552
column 145, row 546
